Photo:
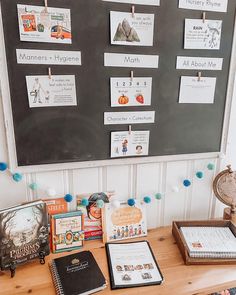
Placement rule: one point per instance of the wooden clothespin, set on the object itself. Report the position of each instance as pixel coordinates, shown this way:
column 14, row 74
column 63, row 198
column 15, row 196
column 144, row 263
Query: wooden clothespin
column 132, row 76
column 204, row 17
column 133, row 11
column 49, row 73
column 46, row 5
column 130, row 129
column 199, row 76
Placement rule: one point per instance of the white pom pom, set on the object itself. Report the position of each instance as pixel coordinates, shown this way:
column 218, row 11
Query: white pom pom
column 175, row 189
column 51, row 192
column 115, row 204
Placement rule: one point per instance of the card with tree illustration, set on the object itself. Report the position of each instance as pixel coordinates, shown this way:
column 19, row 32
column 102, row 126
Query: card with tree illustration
column 132, row 29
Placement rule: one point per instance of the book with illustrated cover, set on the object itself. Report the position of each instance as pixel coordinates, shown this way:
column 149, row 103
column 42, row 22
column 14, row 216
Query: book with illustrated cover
column 77, row 274
column 56, row 206
column 93, row 214
column 23, row 234
column 67, row 231
column 132, row 265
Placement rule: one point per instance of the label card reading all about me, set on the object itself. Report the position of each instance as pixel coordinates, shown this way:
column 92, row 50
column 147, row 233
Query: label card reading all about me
column 193, row 90
column 37, row 24
column 199, row 63
column 126, row 92
column 132, row 30
column 57, row 91
column 204, row 5
column 144, row 2
column 202, row 35
column 125, row 144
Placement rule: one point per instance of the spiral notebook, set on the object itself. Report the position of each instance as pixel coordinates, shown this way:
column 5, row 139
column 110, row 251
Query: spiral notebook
column 209, row 242
column 77, row 274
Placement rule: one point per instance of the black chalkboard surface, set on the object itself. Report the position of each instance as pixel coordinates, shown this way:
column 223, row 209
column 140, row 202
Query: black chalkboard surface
column 75, row 134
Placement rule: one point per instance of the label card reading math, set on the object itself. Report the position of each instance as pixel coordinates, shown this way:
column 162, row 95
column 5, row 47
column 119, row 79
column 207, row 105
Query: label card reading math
column 118, row 118
column 193, row 90
column 131, row 60
column 40, row 24
column 126, row 92
column 199, row 63
column 125, row 144
column 131, row 30
column 46, row 57
column 144, row 2
column 57, row 91
column 202, row 35
column 204, row 5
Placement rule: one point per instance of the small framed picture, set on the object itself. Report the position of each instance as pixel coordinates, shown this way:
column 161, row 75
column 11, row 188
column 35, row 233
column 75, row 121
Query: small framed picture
column 67, row 231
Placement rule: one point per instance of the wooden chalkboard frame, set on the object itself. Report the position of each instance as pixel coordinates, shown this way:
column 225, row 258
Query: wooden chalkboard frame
column 11, row 138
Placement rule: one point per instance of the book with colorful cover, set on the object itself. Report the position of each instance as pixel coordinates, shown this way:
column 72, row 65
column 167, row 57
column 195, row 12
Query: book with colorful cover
column 56, row 206
column 23, row 234
column 67, row 231
column 92, row 214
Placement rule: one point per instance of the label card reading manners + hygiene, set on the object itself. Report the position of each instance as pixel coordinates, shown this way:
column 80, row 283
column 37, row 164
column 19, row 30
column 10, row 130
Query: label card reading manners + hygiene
column 126, row 92
column 204, row 5
column 132, row 30
column 202, row 35
column 40, row 24
column 125, row 144
column 144, row 2
column 193, row 90
column 46, row 92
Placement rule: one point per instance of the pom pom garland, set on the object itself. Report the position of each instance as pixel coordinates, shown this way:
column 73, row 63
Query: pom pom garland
column 158, row 196
column 210, row 166
column 147, row 200
column 186, row 183
column 3, row 166
column 115, row 204
column 85, row 202
column 131, row 202
column 199, row 174
column 33, row 186
column 17, row 177
column 100, row 204
column 51, row 192
column 68, row 198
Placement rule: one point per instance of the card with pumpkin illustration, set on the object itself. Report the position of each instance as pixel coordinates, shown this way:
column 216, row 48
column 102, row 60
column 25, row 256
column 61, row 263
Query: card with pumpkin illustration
column 127, row 92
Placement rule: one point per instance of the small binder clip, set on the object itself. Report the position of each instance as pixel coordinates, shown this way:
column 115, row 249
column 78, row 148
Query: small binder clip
column 204, row 17
column 133, row 11
column 49, row 73
column 199, row 76
column 132, row 76
column 130, row 129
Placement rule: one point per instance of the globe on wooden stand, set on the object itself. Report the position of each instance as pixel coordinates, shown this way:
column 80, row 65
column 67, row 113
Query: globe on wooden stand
column 224, row 187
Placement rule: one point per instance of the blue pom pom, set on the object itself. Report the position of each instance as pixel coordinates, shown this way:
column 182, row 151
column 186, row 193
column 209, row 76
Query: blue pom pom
column 199, row 174
column 147, row 200
column 186, row 183
column 131, row 202
column 85, row 202
column 68, row 198
column 3, row 166
column 33, row 186
column 100, row 204
column 17, row 177
column 158, row 196
column 210, row 166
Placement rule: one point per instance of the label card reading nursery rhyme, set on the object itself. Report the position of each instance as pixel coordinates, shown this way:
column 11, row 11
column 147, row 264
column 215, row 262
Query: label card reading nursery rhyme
column 131, row 60
column 57, row 91
column 194, row 91
column 118, row 118
column 144, row 2
column 125, row 144
column 204, row 5
column 202, row 35
column 125, row 92
column 131, row 30
column 37, row 24
column 199, row 63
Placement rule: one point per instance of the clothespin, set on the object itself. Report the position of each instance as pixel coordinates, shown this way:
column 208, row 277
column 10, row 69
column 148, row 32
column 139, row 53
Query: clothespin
column 46, row 5
column 199, row 76
column 204, row 16
column 132, row 76
column 49, row 73
column 133, row 11
column 130, row 129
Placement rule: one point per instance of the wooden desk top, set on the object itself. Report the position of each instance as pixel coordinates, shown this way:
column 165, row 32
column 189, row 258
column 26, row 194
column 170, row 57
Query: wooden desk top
column 180, row 279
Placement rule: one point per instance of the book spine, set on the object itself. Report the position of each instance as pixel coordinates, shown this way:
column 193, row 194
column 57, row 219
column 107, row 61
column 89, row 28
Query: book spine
column 56, row 279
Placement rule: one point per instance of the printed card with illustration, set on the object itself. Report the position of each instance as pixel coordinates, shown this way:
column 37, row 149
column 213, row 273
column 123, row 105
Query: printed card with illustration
column 143, row 2
column 202, row 35
column 128, row 29
column 44, row 91
column 195, row 90
column 126, row 92
column 40, row 24
column 126, row 144
column 125, row 222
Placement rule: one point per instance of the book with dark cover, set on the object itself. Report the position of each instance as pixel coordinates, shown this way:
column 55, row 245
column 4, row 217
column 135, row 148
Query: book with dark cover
column 77, row 274
column 23, row 234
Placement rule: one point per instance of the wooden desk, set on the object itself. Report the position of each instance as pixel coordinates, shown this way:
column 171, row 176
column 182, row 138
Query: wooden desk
column 180, row 279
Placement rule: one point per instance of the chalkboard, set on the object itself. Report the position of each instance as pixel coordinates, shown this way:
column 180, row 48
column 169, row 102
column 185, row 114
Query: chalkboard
column 76, row 134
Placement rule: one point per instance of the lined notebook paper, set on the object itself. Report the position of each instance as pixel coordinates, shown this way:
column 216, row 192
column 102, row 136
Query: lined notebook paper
column 210, row 242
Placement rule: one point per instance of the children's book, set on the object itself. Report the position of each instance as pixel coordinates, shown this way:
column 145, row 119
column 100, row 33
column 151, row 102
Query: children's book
column 56, row 206
column 92, row 214
column 23, row 234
